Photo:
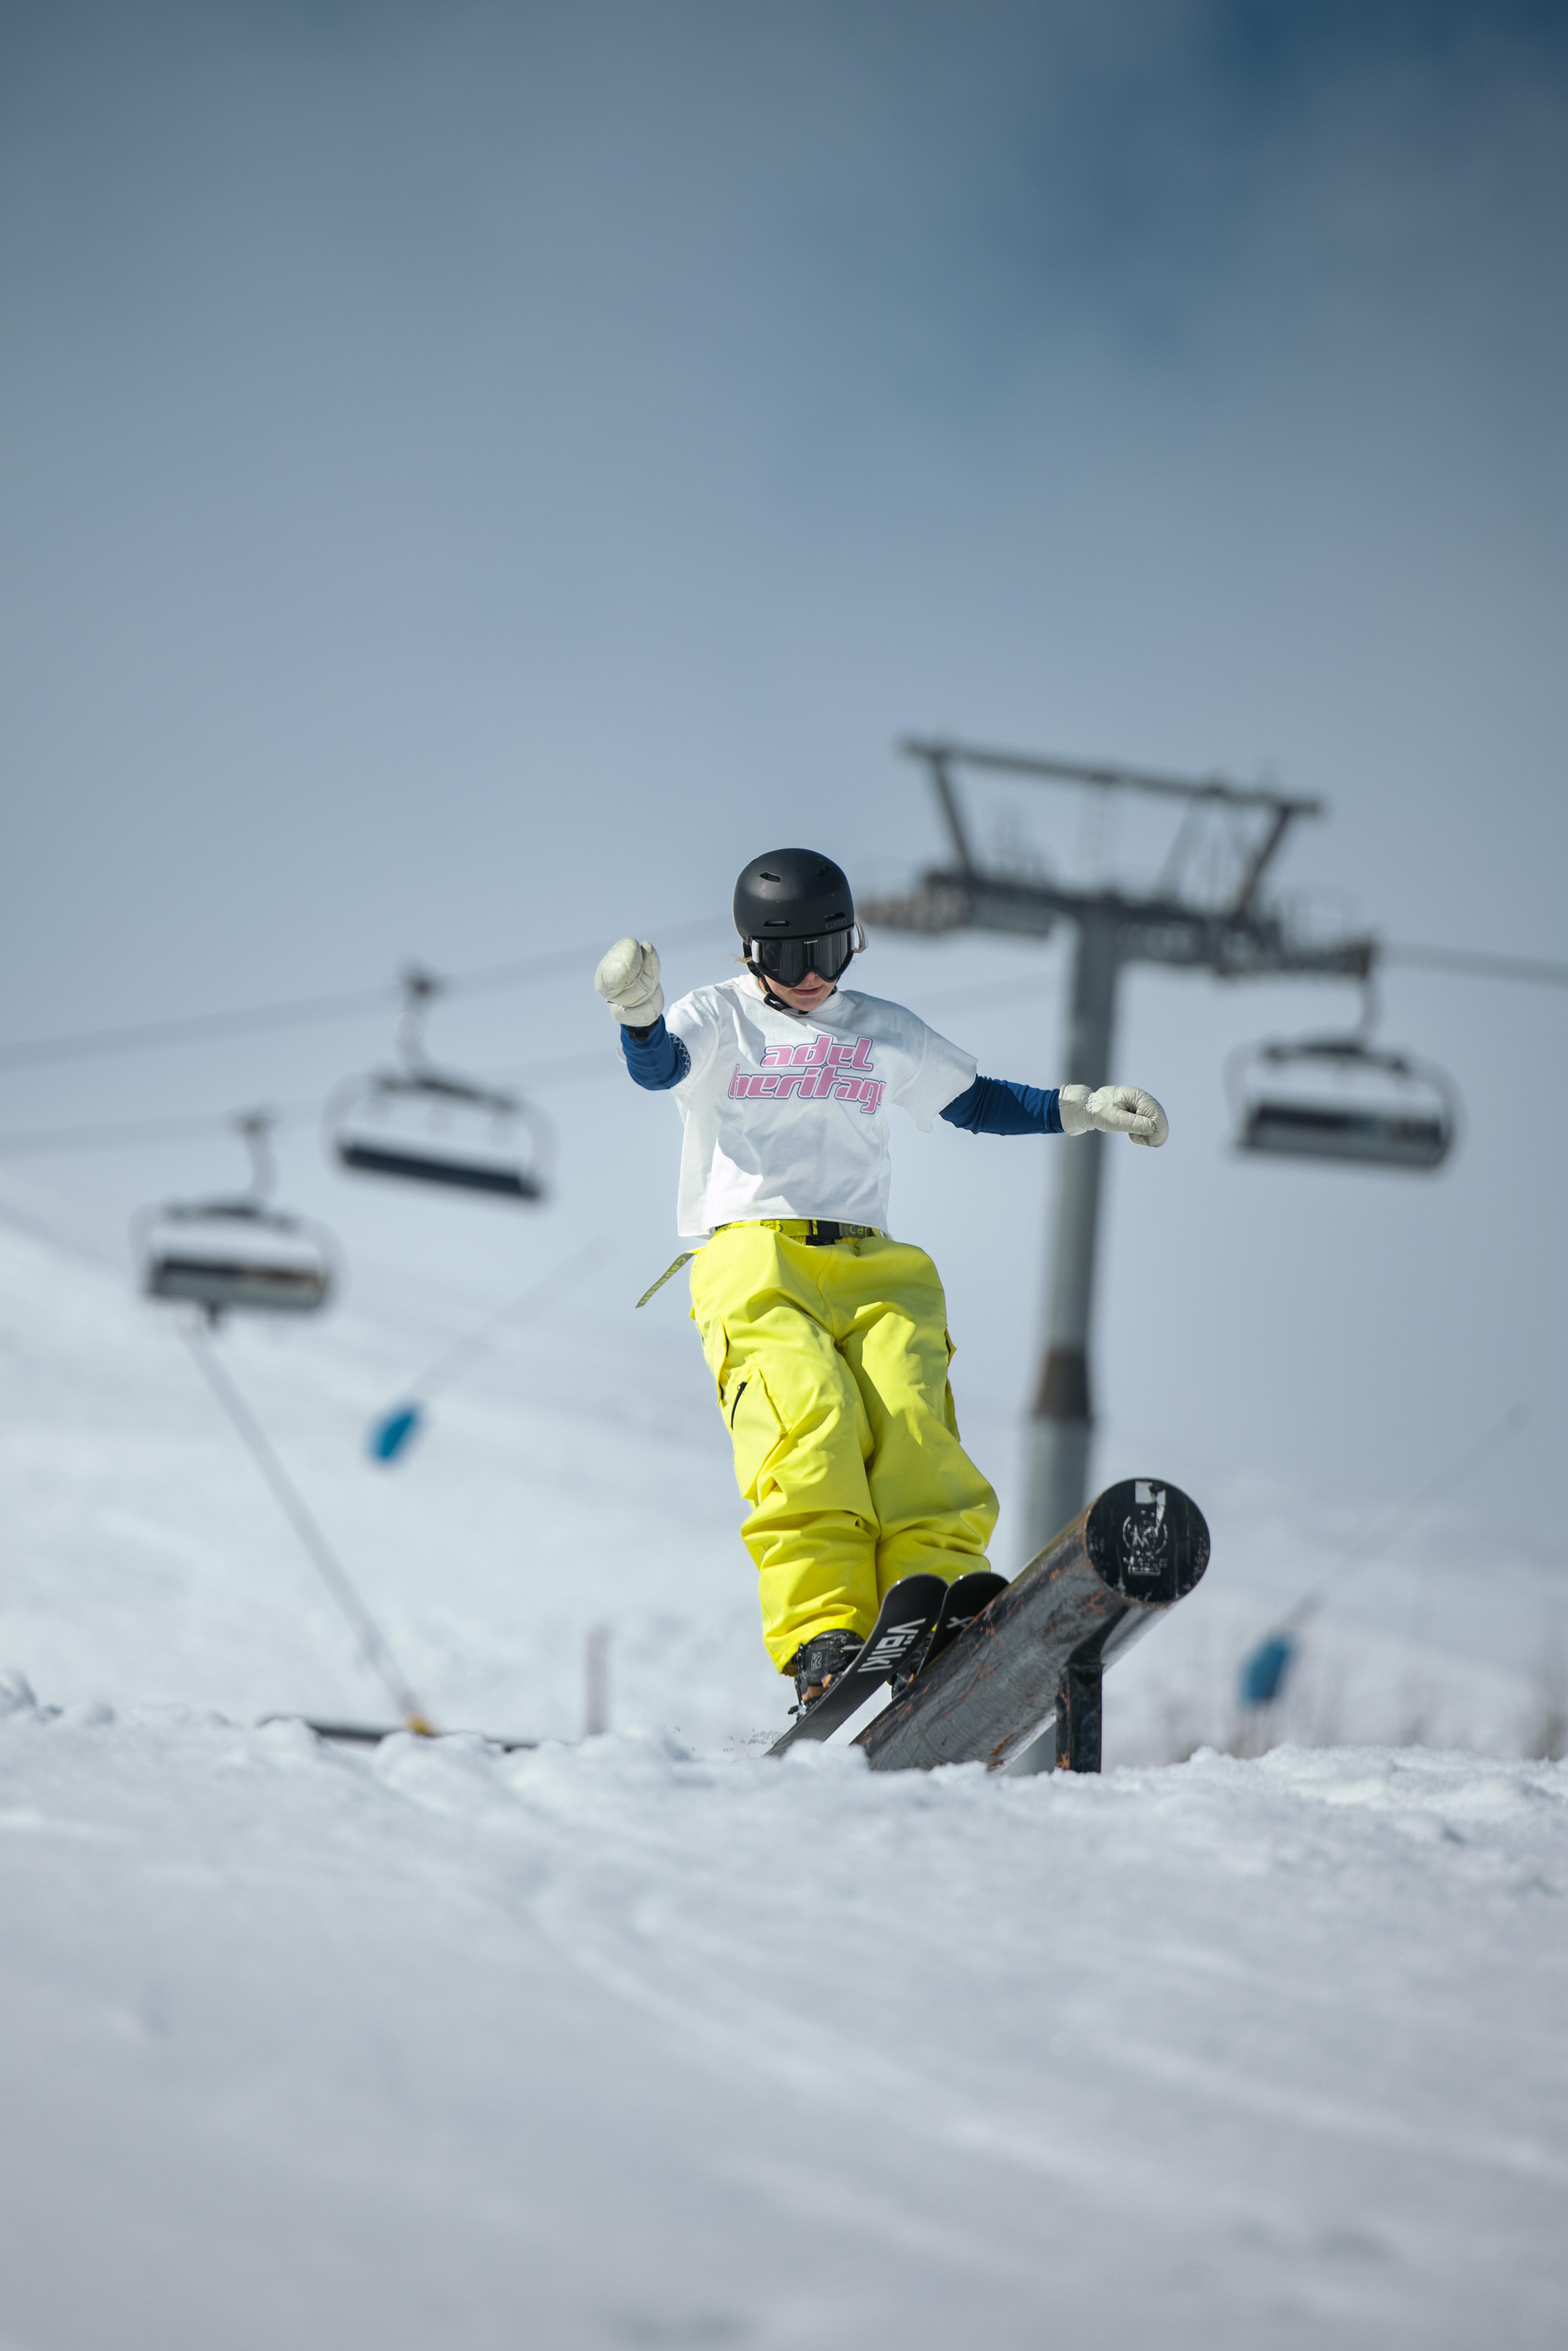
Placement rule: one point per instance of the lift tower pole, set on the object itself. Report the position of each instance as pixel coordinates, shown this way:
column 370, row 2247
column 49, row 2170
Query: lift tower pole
column 1057, row 1466
column 1204, row 912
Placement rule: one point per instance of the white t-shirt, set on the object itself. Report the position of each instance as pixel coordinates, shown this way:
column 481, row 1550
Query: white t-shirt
column 786, row 1113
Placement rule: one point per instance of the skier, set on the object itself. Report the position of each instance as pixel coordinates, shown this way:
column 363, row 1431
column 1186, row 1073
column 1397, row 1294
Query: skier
column 826, row 1339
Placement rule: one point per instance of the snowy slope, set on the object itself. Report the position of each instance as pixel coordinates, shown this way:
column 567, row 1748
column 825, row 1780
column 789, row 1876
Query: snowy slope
column 605, row 2046
column 648, row 2041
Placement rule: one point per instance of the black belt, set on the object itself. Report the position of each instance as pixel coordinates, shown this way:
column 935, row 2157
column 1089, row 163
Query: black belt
column 817, row 1232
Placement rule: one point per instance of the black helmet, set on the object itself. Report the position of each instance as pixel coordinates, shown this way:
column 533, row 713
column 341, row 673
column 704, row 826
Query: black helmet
column 795, row 911
column 793, row 893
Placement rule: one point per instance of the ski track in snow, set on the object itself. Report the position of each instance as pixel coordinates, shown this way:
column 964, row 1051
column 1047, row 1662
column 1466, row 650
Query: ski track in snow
column 649, row 2040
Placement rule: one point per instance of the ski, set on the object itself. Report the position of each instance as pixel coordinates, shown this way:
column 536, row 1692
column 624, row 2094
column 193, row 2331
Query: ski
column 961, row 1602
column 904, row 1625
column 1037, row 1653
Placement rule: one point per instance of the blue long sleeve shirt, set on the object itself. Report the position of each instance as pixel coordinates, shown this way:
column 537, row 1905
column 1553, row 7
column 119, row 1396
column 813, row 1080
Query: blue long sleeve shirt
column 658, row 1059
column 655, row 1058
column 1004, row 1106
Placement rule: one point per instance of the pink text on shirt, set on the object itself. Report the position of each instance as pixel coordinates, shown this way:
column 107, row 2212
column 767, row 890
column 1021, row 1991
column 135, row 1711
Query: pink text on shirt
column 812, row 1073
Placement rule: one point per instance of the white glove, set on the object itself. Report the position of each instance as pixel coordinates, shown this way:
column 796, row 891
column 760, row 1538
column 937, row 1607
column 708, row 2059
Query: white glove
column 1114, row 1110
column 628, row 981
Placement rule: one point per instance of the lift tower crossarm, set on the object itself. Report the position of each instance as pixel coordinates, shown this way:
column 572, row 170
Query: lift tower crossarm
column 1239, row 940
column 1231, row 943
column 1086, row 771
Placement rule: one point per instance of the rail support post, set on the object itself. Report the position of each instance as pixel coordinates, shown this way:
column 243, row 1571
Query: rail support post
column 1078, row 1716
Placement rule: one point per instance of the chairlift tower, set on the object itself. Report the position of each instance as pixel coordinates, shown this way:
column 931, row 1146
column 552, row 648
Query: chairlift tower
column 1205, row 910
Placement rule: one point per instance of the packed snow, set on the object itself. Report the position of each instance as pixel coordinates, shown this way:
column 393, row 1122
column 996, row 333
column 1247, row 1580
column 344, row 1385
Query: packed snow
column 647, row 2040
column 609, row 2044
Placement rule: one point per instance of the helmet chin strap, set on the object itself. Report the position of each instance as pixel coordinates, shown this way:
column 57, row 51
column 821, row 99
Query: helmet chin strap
column 768, row 997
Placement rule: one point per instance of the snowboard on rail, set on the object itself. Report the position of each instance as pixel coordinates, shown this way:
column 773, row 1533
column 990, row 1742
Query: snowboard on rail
column 917, row 1619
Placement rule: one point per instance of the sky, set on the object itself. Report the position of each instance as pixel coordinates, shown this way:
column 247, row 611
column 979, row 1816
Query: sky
column 474, row 476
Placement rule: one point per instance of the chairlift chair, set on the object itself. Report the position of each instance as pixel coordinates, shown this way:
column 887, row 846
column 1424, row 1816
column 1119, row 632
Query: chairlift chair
column 422, row 1124
column 1342, row 1098
column 236, row 1253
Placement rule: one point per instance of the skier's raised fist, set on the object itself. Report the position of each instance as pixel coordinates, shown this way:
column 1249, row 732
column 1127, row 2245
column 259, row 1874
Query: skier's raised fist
column 1114, row 1110
column 628, row 981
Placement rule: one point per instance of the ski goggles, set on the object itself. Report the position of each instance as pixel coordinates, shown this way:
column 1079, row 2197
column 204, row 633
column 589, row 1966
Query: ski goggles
column 788, row 960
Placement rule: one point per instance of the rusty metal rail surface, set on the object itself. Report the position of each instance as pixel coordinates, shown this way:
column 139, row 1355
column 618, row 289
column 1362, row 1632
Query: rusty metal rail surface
column 1040, row 1650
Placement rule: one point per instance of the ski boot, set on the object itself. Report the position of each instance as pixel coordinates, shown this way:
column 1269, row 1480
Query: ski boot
column 816, row 1661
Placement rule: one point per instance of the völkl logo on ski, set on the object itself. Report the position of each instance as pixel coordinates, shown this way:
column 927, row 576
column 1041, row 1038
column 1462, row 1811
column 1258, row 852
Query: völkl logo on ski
column 903, row 1626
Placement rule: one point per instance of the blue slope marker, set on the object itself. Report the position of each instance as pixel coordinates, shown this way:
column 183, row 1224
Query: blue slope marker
column 394, row 1431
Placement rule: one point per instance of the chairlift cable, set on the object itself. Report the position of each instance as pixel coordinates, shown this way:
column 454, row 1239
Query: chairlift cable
column 191, row 1028
column 602, row 1063
column 140, row 1036
column 1478, row 963
column 93, row 1044
column 373, row 1641
column 1359, row 1552
column 138, row 1130
column 565, row 1070
column 1365, row 1548
column 1268, row 1663
column 42, row 1141
column 541, row 1294
column 395, row 1427
column 489, row 977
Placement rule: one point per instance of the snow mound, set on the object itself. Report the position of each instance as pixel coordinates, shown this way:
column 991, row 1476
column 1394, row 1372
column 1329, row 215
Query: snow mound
column 613, row 2045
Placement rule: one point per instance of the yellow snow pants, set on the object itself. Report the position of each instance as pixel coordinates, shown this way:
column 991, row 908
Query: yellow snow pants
column 830, row 1363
